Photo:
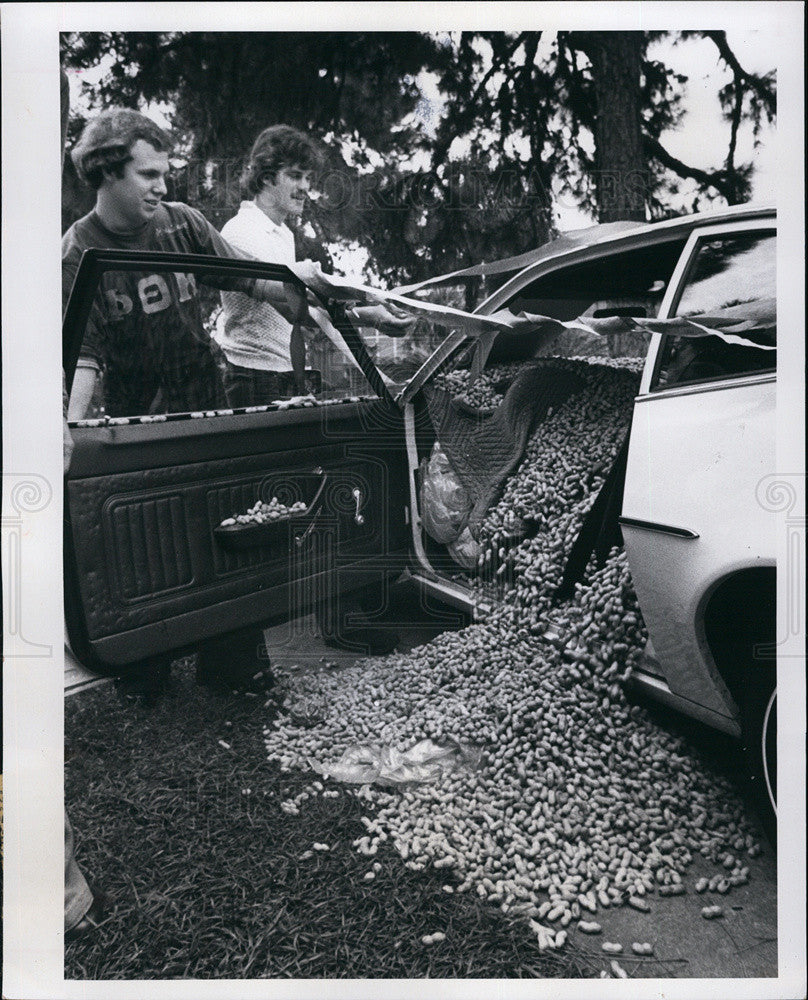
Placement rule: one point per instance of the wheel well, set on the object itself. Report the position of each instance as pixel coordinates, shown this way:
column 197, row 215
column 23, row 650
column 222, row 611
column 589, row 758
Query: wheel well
column 740, row 615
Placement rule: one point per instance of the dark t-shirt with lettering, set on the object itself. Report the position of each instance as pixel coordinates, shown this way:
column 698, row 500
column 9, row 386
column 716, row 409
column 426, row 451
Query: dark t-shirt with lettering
column 145, row 332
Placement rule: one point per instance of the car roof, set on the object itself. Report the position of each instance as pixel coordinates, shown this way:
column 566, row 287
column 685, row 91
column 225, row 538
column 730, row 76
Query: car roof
column 600, row 234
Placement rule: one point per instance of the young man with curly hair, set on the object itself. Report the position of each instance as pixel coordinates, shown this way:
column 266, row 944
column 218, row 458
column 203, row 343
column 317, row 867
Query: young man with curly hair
column 265, row 354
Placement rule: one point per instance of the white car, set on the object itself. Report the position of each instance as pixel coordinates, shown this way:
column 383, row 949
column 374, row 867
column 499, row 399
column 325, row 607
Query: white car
column 700, row 543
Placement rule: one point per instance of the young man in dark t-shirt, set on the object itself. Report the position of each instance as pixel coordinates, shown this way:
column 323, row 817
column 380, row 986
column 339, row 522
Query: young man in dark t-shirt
column 146, row 332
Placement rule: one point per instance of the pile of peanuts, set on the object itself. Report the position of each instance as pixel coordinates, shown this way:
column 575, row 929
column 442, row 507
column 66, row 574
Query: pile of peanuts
column 263, row 512
column 487, row 392
column 581, row 802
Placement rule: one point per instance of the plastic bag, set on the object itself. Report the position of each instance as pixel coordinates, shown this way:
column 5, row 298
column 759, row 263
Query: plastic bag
column 445, row 503
column 465, row 549
column 384, row 765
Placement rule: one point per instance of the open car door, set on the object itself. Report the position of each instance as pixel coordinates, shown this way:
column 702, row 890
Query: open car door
column 150, row 568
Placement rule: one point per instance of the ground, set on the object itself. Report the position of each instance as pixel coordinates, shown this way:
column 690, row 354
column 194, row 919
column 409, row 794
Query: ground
column 177, row 814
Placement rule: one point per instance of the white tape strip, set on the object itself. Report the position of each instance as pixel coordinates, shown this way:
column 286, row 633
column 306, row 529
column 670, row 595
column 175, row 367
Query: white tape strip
column 734, row 318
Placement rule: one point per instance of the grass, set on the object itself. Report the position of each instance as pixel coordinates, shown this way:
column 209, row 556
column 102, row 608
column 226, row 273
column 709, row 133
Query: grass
column 209, row 881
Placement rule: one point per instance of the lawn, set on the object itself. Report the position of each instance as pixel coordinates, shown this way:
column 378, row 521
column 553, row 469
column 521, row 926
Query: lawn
column 178, row 816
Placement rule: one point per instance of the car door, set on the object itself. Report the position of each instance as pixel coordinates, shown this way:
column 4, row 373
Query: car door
column 702, row 440
column 149, row 566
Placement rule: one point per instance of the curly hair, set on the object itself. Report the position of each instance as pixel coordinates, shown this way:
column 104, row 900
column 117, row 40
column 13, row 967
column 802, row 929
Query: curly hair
column 277, row 147
column 106, row 143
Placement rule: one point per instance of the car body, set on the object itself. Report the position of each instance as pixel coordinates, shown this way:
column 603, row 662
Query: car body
column 149, row 570
column 699, row 537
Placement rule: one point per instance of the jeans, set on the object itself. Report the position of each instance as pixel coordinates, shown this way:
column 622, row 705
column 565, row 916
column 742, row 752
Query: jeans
column 255, row 387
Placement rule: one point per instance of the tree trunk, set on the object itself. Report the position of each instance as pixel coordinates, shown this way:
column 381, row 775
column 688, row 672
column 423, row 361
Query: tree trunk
column 621, row 172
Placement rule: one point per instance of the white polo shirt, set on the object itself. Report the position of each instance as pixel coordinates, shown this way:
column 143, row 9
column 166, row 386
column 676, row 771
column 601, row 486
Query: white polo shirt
column 254, row 334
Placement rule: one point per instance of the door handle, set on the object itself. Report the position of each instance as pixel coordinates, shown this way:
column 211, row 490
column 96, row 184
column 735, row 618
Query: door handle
column 314, row 507
column 299, row 539
column 357, row 495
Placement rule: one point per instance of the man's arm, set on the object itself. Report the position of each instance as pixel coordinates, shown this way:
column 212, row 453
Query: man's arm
column 293, row 304
column 385, row 318
column 67, row 437
column 285, row 298
column 92, row 349
column 81, row 393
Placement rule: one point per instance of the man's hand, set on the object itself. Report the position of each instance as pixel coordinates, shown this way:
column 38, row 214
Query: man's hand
column 387, row 319
column 310, row 272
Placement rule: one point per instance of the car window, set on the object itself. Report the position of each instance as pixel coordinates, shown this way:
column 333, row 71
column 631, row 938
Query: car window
column 400, row 357
column 731, row 286
column 628, row 283
column 162, row 342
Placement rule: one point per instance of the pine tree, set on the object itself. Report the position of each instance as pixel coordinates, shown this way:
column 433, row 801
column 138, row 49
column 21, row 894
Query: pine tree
column 424, row 186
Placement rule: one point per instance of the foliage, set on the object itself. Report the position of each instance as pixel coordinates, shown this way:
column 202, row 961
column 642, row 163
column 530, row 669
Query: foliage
column 424, row 184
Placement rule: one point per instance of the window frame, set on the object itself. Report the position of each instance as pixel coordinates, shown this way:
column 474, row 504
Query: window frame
column 644, row 237
column 95, row 262
column 670, row 303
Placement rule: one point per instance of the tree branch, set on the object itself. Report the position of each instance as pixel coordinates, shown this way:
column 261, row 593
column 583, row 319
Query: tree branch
column 754, row 82
column 442, row 147
column 736, row 124
column 574, row 79
column 719, row 180
column 719, row 39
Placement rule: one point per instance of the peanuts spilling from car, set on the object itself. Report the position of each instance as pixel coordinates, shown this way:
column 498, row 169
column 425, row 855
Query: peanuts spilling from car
column 579, row 802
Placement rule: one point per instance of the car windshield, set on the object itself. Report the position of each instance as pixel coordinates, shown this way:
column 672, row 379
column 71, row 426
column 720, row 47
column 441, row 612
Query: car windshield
column 464, row 292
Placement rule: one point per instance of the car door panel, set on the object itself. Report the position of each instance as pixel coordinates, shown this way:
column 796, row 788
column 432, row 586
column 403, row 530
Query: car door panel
column 671, row 573
column 148, row 567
